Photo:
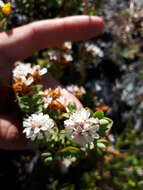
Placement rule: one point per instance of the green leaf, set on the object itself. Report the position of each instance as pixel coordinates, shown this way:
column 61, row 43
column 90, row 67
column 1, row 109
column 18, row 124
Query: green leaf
column 104, row 122
column 101, row 145
column 109, row 126
column 37, row 88
column 108, row 119
column 69, row 150
column 141, row 183
column 129, row 53
column 102, row 131
column 71, row 107
column 46, row 154
column 104, row 141
column 48, row 159
column 31, row 104
column 65, row 115
column 131, row 183
column 98, row 114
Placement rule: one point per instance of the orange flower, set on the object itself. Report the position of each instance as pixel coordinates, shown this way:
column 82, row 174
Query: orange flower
column 21, row 89
column 6, row 9
column 65, row 46
column 55, row 93
column 56, row 105
column 103, row 108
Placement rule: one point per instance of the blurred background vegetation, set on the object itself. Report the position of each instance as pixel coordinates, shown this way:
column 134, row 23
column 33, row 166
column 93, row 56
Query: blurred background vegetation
column 113, row 81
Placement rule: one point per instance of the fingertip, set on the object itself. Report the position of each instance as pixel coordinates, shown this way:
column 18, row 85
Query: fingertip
column 97, row 24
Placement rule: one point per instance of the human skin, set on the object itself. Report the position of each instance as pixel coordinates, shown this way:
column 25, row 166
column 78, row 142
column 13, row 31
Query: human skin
column 22, row 42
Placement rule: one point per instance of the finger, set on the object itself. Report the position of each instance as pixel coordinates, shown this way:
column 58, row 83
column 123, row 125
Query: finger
column 11, row 137
column 22, row 42
column 49, row 82
column 68, row 98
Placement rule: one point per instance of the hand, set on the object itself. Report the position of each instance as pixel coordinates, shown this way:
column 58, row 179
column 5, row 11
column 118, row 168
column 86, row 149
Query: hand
column 22, row 42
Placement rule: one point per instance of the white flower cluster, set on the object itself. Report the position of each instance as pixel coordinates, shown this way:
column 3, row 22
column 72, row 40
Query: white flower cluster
column 37, row 123
column 94, row 50
column 25, row 73
column 81, row 128
column 48, row 97
column 74, row 89
column 55, row 55
column 63, row 54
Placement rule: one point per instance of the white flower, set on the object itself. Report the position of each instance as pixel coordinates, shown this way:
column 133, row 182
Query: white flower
column 68, row 45
column 72, row 88
column 21, row 71
column 25, row 72
column 94, row 50
column 53, row 55
column 67, row 57
column 76, row 90
column 58, row 56
column 66, row 163
column 61, row 100
column 37, row 68
column 82, row 128
column 1, row 4
column 47, row 100
column 37, row 123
